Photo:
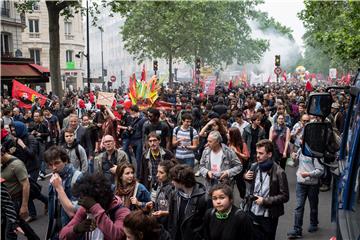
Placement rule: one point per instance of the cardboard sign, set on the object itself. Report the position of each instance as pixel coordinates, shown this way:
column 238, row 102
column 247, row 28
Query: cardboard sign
column 105, row 98
column 210, row 85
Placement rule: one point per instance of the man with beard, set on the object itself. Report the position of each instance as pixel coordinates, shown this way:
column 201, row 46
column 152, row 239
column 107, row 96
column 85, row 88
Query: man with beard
column 267, row 192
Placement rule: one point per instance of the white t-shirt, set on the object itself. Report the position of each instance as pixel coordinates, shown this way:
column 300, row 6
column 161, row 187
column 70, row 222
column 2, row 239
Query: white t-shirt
column 215, row 161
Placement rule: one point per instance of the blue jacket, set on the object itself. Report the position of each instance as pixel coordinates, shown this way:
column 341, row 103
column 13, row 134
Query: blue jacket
column 67, row 178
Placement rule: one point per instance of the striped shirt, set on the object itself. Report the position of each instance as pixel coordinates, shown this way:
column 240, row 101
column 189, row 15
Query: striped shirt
column 181, row 152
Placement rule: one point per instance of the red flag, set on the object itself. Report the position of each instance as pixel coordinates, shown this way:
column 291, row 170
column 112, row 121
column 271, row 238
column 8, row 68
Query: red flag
column 25, row 95
column 230, row 84
column 143, row 74
column 284, row 76
column 348, row 79
column 309, row 87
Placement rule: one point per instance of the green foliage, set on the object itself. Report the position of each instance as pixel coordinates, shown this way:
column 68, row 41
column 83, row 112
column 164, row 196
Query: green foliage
column 334, row 28
column 265, row 23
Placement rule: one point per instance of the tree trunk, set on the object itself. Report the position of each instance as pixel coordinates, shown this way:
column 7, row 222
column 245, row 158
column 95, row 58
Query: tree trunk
column 54, row 52
column 170, row 71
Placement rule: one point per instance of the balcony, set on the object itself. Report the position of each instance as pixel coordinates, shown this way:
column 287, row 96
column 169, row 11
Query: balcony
column 5, row 12
column 34, row 35
column 69, row 36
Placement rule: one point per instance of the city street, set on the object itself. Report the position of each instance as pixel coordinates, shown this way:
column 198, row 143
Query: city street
column 326, row 229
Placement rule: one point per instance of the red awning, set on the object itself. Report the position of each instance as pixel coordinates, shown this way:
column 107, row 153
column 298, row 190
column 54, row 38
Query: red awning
column 18, row 70
column 40, row 68
column 24, row 72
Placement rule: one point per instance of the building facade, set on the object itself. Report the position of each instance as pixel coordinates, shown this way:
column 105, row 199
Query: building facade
column 12, row 26
column 36, row 45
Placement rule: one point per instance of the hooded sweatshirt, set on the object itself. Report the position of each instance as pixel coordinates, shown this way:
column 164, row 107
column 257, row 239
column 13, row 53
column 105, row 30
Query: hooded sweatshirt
column 310, row 165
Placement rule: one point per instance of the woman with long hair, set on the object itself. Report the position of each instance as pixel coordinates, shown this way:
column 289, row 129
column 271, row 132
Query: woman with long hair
column 237, row 144
column 280, row 136
column 132, row 193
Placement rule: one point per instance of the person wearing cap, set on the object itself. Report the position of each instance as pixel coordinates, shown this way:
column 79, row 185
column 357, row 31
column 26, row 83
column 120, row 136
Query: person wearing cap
column 337, row 117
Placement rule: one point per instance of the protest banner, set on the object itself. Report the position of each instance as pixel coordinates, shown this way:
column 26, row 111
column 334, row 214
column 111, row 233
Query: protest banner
column 105, row 98
column 26, row 96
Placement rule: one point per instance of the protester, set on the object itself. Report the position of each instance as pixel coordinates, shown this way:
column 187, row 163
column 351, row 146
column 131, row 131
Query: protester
column 240, row 148
column 187, row 204
column 107, row 161
column 160, row 204
column 219, row 163
column 253, row 133
column 280, row 136
column 267, row 192
column 160, row 128
column 140, row 226
column 76, row 152
column 307, row 186
column 132, row 193
column 101, row 214
column 186, row 140
column 225, row 221
column 62, row 203
column 151, row 159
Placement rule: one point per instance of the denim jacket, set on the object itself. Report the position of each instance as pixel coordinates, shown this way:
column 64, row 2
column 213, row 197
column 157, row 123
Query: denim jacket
column 66, row 176
column 230, row 163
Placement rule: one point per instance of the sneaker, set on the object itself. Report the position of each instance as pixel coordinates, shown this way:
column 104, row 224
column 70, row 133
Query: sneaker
column 197, row 174
column 324, row 188
column 293, row 234
column 312, row 228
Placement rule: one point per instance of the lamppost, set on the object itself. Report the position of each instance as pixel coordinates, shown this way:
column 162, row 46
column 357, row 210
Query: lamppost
column 102, row 54
column 88, row 44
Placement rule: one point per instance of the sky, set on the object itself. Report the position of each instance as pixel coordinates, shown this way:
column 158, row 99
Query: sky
column 285, row 12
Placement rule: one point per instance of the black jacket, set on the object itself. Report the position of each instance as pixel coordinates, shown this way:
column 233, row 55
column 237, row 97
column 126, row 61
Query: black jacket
column 279, row 191
column 191, row 225
column 29, row 154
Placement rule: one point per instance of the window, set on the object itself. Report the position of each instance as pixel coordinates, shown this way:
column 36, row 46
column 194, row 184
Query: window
column 33, row 25
column 5, row 44
column 69, row 55
column 35, row 54
column 5, row 8
column 68, row 26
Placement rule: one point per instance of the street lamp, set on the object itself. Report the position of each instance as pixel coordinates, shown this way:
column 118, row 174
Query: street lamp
column 88, row 44
column 102, row 54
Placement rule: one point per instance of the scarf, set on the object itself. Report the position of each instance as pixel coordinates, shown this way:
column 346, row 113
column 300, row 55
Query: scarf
column 266, row 165
column 280, row 130
column 125, row 193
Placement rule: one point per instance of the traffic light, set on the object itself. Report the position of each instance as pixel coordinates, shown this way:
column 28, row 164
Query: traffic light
column 155, row 65
column 277, row 60
column 197, row 65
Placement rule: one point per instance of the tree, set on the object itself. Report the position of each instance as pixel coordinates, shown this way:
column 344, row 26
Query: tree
column 334, row 28
column 55, row 9
column 217, row 32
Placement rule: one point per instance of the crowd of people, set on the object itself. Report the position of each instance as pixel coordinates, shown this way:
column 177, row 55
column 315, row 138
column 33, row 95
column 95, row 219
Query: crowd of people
column 122, row 171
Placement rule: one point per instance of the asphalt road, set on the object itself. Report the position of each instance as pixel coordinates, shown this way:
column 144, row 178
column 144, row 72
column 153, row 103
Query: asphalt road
column 326, row 228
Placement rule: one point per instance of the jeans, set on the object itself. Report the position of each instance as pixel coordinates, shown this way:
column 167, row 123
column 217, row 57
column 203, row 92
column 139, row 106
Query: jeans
column 137, row 146
column 188, row 161
column 311, row 192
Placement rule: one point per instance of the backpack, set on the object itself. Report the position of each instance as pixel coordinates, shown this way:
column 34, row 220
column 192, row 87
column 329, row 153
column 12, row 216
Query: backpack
column 191, row 133
column 77, row 152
